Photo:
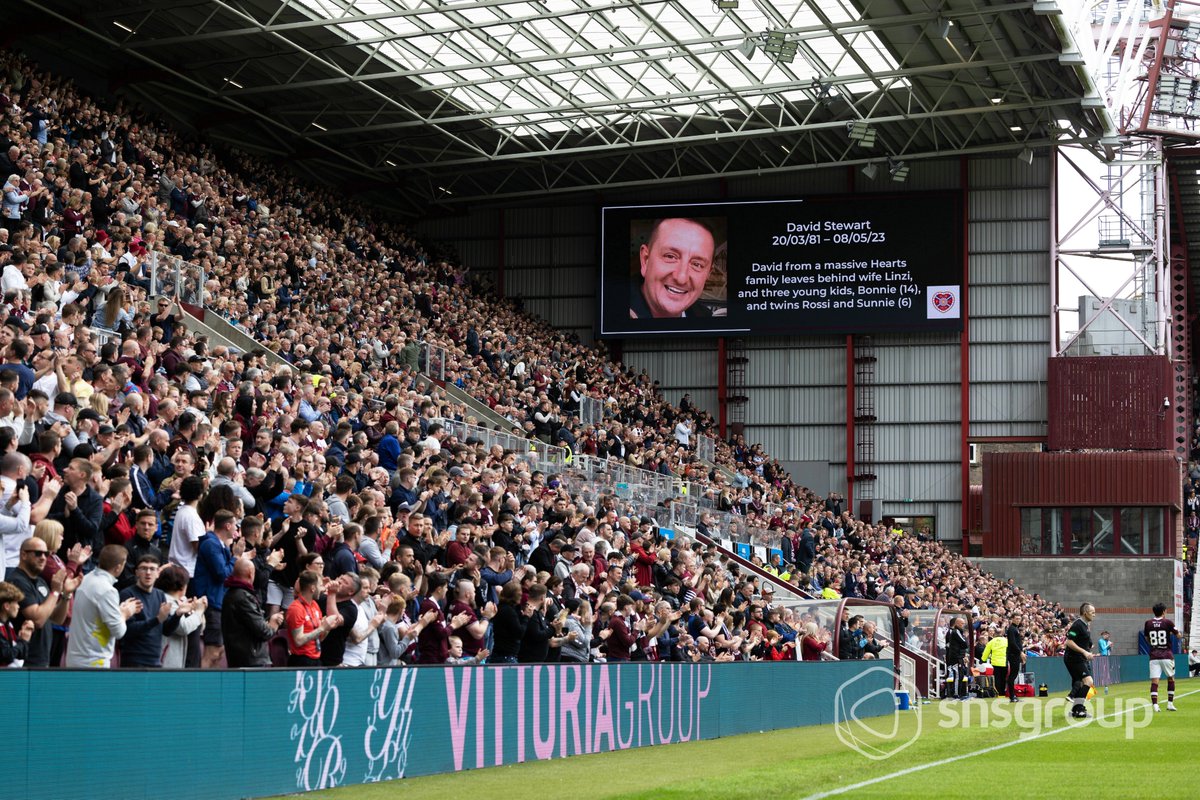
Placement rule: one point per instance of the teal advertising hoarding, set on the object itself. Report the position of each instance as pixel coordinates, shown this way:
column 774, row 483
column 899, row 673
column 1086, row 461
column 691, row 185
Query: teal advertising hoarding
column 206, row 735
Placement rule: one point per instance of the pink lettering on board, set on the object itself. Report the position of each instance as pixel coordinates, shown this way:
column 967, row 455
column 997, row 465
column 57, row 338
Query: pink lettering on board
column 673, row 671
column 498, row 687
column 604, row 713
column 644, row 696
column 568, row 707
column 460, row 709
column 479, row 717
column 624, row 741
column 521, row 714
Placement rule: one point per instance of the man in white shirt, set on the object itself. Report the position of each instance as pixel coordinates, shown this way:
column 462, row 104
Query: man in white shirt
column 12, row 414
column 14, row 509
column 188, row 529
column 13, row 279
column 358, row 652
column 683, row 430
column 98, row 617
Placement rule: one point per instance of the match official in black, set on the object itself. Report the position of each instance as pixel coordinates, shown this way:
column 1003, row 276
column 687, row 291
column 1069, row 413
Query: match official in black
column 1016, row 658
column 958, row 671
column 1078, row 659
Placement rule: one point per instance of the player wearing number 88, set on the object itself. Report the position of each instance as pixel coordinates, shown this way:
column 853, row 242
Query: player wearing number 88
column 1158, row 633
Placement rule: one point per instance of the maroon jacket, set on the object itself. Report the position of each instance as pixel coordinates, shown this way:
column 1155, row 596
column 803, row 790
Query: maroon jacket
column 433, row 643
column 620, row 640
column 643, row 567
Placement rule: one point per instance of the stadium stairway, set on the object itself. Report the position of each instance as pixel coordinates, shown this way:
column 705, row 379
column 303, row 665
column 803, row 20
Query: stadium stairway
column 920, row 670
column 482, row 411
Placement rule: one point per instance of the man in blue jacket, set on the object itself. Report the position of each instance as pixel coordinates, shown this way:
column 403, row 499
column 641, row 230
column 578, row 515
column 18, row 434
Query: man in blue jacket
column 219, row 548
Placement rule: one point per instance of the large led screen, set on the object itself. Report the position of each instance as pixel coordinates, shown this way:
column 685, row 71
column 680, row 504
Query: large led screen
column 839, row 264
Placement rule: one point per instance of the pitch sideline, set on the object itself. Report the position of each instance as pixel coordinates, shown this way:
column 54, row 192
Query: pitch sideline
column 964, row 756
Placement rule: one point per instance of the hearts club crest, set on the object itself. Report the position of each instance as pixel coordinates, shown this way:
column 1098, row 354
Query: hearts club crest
column 943, row 301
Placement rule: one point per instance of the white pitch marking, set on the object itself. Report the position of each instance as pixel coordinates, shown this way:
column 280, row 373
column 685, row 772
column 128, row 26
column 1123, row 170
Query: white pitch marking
column 964, row 756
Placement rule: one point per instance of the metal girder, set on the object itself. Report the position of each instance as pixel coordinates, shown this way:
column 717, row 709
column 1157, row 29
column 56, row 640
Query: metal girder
column 188, row 80
column 1141, row 176
column 395, row 13
column 127, row 11
column 700, row 95
column 657, row 178
column 916, row 19
column 640, row 51
column 339, row 70
column 665, row 96
column 812, row 126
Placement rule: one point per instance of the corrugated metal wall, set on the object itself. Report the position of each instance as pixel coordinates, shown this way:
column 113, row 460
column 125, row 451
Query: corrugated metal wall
column 545, row 256
column 797, row 385
column 1009, row 268
column 1106, row 479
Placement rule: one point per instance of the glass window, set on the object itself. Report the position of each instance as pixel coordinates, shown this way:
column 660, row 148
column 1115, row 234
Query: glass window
column 1102, row 531
column 1079, row 523
column 1031, row 531
column 1054, row 535
column 1154, row 531
column 1131, row 532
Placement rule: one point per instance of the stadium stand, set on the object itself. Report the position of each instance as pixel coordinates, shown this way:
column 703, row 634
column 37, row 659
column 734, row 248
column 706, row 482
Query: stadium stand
column 131, row 440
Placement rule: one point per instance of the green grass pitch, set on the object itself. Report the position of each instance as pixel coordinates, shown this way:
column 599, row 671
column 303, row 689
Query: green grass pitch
column 1134, row 754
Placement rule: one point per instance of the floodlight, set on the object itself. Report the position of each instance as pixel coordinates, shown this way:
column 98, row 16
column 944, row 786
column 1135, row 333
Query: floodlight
column 862, row 133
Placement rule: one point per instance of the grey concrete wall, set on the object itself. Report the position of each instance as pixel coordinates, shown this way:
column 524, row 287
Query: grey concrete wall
column 1122, row 589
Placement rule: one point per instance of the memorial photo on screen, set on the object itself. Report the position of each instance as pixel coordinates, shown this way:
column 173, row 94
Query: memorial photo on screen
column 677, row 268
column 821, row 265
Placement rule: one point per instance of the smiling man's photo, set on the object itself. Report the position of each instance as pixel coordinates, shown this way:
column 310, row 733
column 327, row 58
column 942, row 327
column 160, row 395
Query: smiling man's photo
column 675, row 263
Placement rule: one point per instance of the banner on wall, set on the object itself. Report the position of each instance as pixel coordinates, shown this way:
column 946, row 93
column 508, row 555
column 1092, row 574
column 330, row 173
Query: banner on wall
column 1179, row 596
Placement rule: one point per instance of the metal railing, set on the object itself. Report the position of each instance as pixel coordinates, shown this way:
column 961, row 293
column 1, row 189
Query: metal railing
column 432, row 360
column 591, row 410
column 537, row 454
column 171, row 276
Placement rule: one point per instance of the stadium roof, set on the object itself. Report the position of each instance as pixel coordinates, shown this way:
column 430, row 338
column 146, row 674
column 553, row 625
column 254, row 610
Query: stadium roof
column 472, row 100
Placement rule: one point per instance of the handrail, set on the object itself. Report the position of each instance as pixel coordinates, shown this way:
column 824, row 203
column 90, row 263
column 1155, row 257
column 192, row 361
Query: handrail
column 539, row 455
column 926, row 663
column 480, row 409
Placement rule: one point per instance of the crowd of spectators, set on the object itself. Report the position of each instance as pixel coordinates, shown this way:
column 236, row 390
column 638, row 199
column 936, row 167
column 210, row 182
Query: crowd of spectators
column 202, row 507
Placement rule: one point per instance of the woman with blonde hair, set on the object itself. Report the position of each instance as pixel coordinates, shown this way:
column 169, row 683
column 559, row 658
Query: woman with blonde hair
column 73, row 217
column 99, row 403
column 812, row 646
column 114, row 314
column 51, row 533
